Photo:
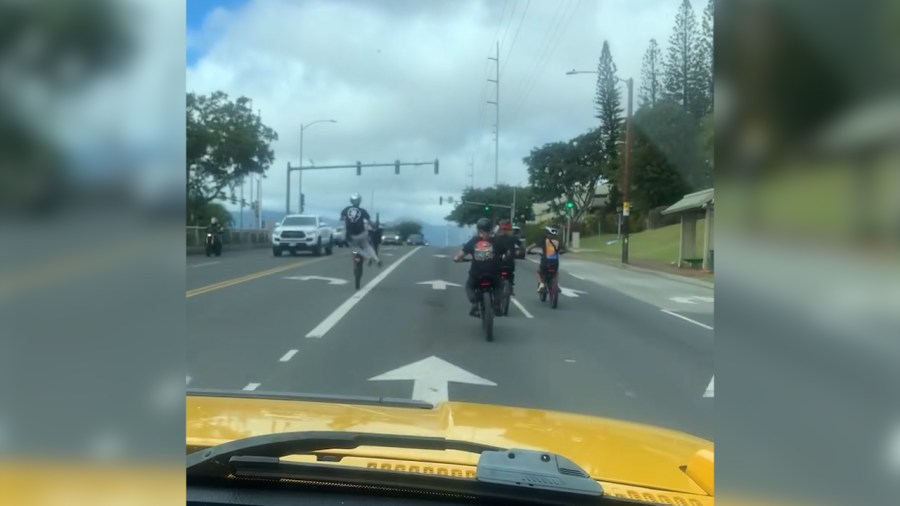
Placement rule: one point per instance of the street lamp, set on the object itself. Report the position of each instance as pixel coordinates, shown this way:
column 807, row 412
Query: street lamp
column 626, row 174
column 300, row 168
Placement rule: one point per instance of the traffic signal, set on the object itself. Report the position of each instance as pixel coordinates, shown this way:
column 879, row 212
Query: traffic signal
column 396, row 166
column 570, row 204
column 358, row 169
column 302, row 202
column 487, row 208
column 435, row 166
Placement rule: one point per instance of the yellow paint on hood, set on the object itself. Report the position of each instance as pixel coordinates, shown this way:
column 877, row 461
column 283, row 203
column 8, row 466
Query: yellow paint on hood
column 610, row 451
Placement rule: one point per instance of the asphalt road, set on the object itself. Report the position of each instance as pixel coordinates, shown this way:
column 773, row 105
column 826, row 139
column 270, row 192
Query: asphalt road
column 622, row 344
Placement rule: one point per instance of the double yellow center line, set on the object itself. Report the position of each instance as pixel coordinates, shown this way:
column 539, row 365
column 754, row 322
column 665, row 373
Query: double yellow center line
column 248, row 277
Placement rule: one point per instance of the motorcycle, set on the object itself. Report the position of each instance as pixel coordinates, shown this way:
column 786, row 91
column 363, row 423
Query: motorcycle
column 213, row 244
column 485, row 298
column 357, row 267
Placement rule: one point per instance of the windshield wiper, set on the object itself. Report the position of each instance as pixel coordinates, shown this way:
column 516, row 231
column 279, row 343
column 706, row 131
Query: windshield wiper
column 502, row 474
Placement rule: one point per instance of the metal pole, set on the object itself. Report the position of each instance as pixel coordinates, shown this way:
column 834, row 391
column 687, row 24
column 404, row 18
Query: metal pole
column 259, row 199
column 626, row 176
column 497, row 122
column 512, row 210
column 300, row 173
column 287, row 200
column 242, row 204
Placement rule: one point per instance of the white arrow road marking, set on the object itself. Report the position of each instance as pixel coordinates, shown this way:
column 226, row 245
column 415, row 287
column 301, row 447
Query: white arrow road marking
column 331, row 281
column 440, row 256
column 187, row 381
column 251, row 387
column 685, row 318
column 204, row 264
column 430, row 377
column 438, row 284
column 570, row 292
column 709, row 389
column 342, row 310
column 691, row 300
column 892, row 448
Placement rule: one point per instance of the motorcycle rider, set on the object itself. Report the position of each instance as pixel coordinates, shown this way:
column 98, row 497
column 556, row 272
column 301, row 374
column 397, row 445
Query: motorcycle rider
column 508, row 263
column 357, row 224
column 550, row 250
column 214, row 227
column 487, row 252
column 375, row 235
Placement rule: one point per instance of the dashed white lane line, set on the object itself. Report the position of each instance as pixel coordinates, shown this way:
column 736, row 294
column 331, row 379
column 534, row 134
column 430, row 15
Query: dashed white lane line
column 685, row 318
column 342, row 310
column 188, row 380
column 521, row 308
column 251, row 387
column 287, row 356
column 709, row 389
column 577, row 276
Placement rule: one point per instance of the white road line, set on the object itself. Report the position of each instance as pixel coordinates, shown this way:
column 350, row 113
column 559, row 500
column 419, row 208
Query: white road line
column 204, row 264
column 521, row 308
column 251, row 387
column 685, row 318
column 709, row 389
column 287, row 356
column 342, row 310
column 577, row 276
column 188, row 381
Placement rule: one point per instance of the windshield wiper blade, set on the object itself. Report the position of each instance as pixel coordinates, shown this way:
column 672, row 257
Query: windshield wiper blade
column 294, row 443
column 501, row 474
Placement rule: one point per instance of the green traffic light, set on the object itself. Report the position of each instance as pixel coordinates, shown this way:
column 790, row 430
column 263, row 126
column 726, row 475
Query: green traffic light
column 570, row 205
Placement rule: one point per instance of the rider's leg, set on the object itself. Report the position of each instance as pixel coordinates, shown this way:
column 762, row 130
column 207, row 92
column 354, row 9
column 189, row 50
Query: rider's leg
column 471, row 294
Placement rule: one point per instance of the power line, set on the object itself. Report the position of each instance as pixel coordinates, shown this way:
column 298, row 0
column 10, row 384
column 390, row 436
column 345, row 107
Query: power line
column 516, row 36
column 512, row 15
column 525, row 82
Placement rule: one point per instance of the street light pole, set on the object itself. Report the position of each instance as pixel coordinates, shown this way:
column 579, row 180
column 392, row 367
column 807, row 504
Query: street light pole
column 626, row 176
column 300, row 168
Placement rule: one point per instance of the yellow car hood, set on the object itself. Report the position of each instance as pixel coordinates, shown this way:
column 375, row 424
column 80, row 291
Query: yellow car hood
column 643, row 459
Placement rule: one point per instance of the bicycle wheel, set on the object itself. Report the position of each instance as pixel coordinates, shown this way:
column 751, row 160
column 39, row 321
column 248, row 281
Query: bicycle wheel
column 507, row 293
column 487, row 316
column 357, row 270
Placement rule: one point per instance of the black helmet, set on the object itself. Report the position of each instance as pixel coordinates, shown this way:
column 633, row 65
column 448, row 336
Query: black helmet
column 483, row 225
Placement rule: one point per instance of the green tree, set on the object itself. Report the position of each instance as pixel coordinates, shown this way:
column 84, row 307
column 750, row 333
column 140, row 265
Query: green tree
column 561, row 172
column 467, row 214
column 684, row 80
column 202, row 215
column 651, row 75
column 706, row 53
column 407, row 228
column 608, row 102
column 666, row 157
column 225, row 142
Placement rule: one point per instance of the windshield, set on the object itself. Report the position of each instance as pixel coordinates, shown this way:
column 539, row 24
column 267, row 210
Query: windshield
column 397, row 125
column 293, row 221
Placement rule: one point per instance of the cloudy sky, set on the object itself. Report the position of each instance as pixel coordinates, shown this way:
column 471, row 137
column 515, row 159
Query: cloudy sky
column 407, row 79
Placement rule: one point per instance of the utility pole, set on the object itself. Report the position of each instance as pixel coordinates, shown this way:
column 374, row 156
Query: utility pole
column 512, row 210
column 626, row 174
column 242, row 203
column 496, row 103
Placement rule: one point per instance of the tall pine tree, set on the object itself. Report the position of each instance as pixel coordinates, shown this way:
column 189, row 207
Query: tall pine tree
column 651, row 76
column 706, row 53
column 685, row 81
column 608, row 103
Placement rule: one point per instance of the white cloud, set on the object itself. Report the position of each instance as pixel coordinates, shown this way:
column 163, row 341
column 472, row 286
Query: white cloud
column 408, row 80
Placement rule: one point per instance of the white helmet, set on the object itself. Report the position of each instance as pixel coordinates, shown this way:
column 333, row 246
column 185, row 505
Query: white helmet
column 551, row 230
column 355, row 199
column 213, row 220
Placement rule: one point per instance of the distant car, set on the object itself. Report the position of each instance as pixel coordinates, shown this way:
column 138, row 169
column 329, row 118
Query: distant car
column 340, row 237
column 391, row 237
column 415, row 240
column 302, row 232
column 520, row 246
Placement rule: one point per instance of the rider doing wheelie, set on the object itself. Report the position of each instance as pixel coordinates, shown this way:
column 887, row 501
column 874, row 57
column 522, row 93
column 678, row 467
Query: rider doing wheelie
column 486, row 251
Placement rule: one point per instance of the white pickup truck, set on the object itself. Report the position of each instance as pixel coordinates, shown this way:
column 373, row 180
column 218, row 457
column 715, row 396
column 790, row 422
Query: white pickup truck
column 302, row 232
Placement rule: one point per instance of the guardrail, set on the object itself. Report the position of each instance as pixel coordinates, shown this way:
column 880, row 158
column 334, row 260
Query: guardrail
column 235, row 238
